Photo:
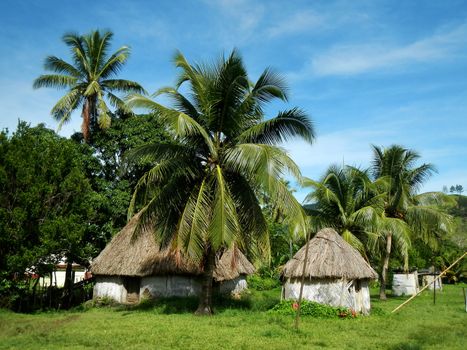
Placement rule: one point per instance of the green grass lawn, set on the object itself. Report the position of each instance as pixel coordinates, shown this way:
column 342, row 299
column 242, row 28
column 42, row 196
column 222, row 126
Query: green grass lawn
column 242, row 325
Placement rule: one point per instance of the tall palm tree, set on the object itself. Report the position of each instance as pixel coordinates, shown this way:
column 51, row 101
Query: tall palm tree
column 202, row 195
column 347, row 200
column 402, row 202
column 88, row 79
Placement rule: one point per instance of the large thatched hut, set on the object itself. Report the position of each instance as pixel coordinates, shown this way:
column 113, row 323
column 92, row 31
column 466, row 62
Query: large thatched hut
column 134, row 265
column 336, row 274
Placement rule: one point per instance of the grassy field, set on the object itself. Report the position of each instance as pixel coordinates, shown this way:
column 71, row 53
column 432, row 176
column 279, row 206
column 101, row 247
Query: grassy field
column 242, row 325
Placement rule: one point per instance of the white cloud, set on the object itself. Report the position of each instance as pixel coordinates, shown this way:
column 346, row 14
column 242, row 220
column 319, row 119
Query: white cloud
column 350, row 59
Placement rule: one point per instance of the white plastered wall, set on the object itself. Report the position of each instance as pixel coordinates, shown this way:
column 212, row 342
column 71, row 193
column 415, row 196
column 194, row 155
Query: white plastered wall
column 234, row 286
column 111, row 287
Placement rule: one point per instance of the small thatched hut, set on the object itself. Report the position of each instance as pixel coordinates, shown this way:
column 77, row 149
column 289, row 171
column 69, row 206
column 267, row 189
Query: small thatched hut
column 131, row 266
column 405, row 283
column 336, row 274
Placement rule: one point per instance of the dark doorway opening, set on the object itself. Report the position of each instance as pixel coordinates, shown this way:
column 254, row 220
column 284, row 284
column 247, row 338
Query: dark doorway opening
column 132, row 285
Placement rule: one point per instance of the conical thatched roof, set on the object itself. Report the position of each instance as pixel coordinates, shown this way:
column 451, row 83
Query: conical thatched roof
column 329, row 256
column 140, row 256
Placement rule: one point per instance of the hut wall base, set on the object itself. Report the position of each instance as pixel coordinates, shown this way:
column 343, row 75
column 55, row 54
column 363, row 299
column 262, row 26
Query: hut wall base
column 170, row 286
column 331, row 292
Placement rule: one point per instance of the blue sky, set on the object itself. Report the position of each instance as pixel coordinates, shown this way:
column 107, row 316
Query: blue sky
column 367, row 72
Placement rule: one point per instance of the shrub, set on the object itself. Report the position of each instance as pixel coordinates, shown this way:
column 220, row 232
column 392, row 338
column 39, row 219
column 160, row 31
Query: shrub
column 100, row 302
column 258, row 282
column 313, row 309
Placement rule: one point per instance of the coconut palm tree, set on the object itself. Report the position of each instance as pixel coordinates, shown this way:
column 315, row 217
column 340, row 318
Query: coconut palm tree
column 347, row 200
column 89, row 80
column 403, row 204
column 202, row 195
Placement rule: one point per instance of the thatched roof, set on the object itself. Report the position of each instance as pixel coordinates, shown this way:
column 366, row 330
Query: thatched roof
column 129, row 255
column 329, row 256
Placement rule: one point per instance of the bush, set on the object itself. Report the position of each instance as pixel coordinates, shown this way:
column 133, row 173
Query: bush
column 258, row 282
column 100, row 302
column 313, row 309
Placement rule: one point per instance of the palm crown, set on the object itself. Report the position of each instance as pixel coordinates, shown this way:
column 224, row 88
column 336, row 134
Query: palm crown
column 202, row 193
column 349, row 201
column 89, row 79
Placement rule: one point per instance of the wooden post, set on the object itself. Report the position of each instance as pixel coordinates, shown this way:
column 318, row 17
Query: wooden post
column 297, row 316
column 428, row 284
column 465, row 299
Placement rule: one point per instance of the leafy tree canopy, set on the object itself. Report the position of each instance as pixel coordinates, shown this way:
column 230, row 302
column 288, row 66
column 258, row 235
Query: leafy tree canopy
column 47, row 205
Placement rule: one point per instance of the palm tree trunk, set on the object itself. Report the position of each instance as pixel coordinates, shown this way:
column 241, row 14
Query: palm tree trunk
column 384, row 269
column 205, row 300
column 86, row 115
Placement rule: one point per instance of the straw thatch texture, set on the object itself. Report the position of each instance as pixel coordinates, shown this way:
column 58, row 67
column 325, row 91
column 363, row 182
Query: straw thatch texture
column 329, row 256
column 127, row 255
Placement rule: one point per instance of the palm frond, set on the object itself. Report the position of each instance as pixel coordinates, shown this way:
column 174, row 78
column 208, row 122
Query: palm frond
column 192, row 232
column 270, row 85
column 287, row 125
column 122, row 85
column 180, row 124
column 115, row 63
column 57, row 65
column 254, row 228
column 54, row 80
column 224, row 228
column 180, row 102
column 260, row 161
column 66, row 105
column 76, row 44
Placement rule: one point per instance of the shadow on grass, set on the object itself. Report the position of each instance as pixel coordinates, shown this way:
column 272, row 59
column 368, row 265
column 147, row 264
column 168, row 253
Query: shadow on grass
column 249, row 301
column 186, row 305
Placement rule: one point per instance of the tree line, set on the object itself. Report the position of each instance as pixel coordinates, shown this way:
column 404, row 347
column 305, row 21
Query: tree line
column 206, row 173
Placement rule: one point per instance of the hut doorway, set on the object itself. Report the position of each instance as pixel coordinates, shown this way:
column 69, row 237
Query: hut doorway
column 132, row 286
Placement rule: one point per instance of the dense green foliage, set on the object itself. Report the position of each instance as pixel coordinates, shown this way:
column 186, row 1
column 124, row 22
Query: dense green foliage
column 419, row 325
column 450, row 246
column 105, row 164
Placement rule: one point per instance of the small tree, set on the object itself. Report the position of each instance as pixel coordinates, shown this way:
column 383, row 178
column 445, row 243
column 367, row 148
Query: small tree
column 46, row 202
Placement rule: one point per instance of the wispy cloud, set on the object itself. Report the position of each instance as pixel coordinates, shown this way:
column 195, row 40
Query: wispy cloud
column 240, row 19
column 350, row 59
column 296, row 23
